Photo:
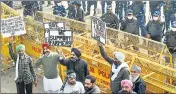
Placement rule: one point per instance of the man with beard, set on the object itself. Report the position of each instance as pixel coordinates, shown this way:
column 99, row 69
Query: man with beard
column 127, row 87
column 90, row 85
column 24, row 71
column 119, row 68
column 75, row 63
column 51, row 81
column 72, row 86
column 138, row 83
column 110, row 18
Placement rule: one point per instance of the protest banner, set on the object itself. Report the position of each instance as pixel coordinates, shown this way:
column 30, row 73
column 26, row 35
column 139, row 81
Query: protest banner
column 13, row 26
column 60, row 38
column 52, row 26
column 98, row 28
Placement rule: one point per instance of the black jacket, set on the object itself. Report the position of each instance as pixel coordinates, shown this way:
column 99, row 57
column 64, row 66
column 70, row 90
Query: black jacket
column 139, row 86
column 171, row 40
column 80, row 67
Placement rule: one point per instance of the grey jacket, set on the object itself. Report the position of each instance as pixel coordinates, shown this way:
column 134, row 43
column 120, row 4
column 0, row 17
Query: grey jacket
column 122, row 75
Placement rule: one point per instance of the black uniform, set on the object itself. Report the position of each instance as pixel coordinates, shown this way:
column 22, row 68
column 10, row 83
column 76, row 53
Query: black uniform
column 130, row 26
column 111, row 20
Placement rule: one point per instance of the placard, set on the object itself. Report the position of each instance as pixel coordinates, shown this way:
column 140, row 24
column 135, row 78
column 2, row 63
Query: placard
column 60, row 38
column 52, row 26
column 98, row 28
column 13, row 26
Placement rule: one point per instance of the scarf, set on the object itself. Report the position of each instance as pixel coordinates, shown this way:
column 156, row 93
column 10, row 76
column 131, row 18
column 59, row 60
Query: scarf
column 116, row 71
column 16, row 66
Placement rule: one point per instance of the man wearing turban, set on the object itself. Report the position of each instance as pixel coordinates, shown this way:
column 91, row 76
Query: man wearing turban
column 76, row 63
column 24, row 75
column 127, row 87
column 51, row 80
column 119, row 68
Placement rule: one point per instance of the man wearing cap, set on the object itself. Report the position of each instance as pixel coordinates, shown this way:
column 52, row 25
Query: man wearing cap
column 24, row 73
column 130, row 24
column 80, row 12
column 127, row 87
column 109, row 3
column 138, row 83
column 155, row 27
column 171, row 41
column 119, row 68
column 72, row 86
column 110, row 18
column 75, row 63
column 51, row 80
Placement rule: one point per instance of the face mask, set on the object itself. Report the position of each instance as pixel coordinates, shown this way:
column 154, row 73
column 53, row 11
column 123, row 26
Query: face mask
column 155, row 18
column 130, row 17
column 173, row 29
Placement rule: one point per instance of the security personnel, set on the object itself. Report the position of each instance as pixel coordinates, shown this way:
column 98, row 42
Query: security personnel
column 84, row 4
column 155, row 27
column 120, row 6
column 59, row 9
column 28, row 8
column 103, row 5
column 110, row 18
column 130, row 24
column 89, row 4
column 171, row 41
column 80, row 12
column 9, row 3
column 167, row 13
column 72, row 10
column 139, row 13
column 155, row 6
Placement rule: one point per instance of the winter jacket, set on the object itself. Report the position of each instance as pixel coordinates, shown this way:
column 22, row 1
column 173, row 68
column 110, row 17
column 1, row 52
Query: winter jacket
column 139, row 86
column 171, row 40
column 130, row 26
column 122, row 75
column 80, row 14
column 80, row 67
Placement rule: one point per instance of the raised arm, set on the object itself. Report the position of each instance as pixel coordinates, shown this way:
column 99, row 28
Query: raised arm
column 11, row 52
column 104, row 55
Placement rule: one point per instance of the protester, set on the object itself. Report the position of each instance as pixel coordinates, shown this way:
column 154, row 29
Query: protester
column 72, row 85
column 25, row 75
column 90, row 85
column 72, row 10
column 127, row 87
column 119, row 69
column 51, row 81
column 138, row 83
column 75, row 63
